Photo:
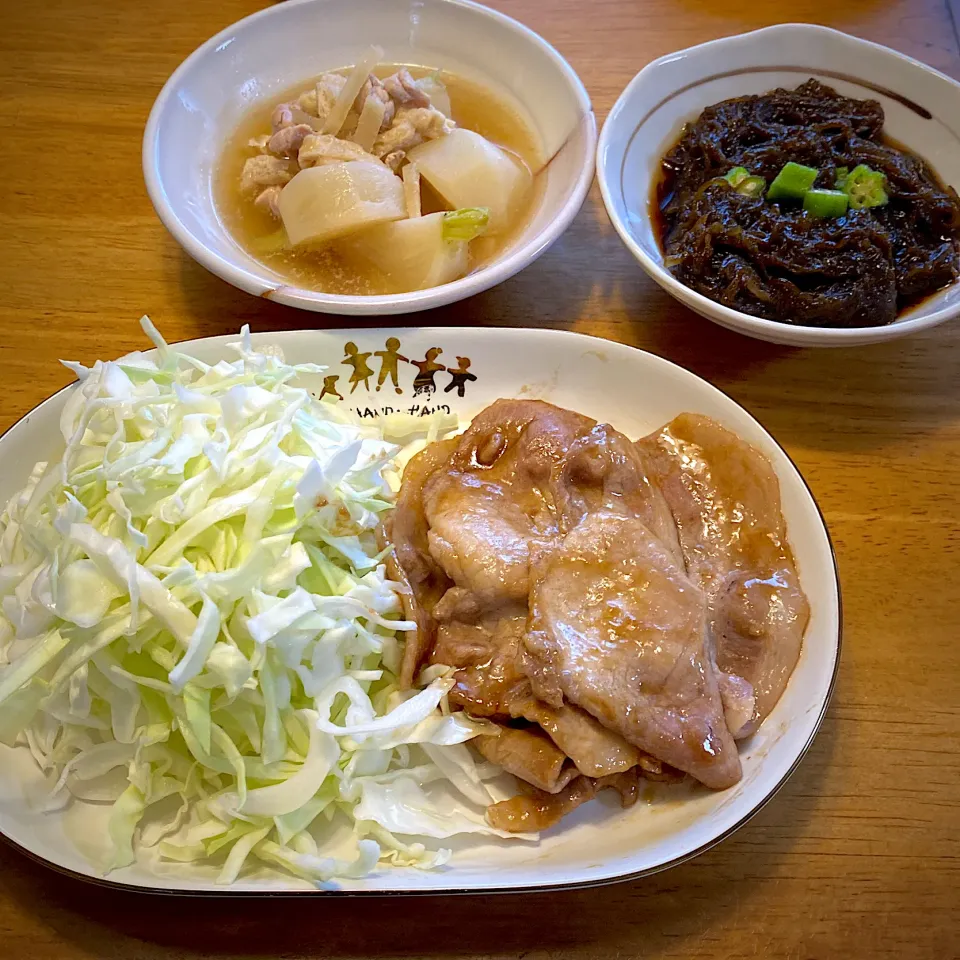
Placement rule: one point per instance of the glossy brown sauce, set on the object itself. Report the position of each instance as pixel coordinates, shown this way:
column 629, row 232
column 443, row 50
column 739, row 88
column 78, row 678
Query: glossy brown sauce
column 473, row 106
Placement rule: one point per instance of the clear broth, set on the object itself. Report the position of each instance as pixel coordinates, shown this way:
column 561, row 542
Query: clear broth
column 473, row 106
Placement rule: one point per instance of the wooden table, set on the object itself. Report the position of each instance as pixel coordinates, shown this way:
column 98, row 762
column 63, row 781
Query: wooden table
column 858, row 856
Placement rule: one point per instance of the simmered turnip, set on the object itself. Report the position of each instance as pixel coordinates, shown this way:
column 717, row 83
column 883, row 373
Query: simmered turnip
column 419, row 252
column 467, row 170
column 322, row 203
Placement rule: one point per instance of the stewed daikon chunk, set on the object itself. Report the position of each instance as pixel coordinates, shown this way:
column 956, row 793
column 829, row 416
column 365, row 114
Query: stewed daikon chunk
column 419, row 252
column 322, row 203
column 467, row 170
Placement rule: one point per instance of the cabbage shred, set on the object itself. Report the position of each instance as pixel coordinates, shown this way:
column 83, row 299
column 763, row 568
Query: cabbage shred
column 197, row 625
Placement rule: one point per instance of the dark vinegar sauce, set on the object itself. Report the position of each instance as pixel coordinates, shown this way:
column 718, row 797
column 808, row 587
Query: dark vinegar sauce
column 661, row 193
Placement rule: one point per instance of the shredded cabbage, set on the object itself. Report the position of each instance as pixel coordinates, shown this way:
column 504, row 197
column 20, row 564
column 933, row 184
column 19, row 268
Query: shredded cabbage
column 196, row 624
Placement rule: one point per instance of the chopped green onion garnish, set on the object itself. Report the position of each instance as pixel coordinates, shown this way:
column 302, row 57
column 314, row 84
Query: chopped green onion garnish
column 865, row 187
column 825, row 203
column 739, row 178
column 792, row 182
column 752, row 186
column 465, row 223
column 736, row 175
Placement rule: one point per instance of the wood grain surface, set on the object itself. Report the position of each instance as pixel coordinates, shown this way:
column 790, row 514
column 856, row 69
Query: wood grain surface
column 858, row 856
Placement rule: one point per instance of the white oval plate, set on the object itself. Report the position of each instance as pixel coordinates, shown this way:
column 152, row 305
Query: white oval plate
column 635, row 391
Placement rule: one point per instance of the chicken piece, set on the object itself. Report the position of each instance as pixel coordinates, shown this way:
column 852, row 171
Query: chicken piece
column 374, row 87
column 403, row 90
column 529, row 754
column 322, row 148
column 618, row 629
column 603, row 470
column 287, row 141
column 269, row 201
column 282, row 116
column 411, row 561
column 410, row 127
column 538, row 810
column 725, row 499
column 495, row 500
column 264, row 170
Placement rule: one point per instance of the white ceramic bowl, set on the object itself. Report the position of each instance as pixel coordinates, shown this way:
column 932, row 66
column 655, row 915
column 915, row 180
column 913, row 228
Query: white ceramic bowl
column 599, row 842
column 922, row 110
column 267, row 53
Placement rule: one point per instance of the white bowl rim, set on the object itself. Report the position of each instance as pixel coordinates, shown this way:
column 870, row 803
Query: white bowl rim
column 735, row 319
column 519, row 333
column 473, row 283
